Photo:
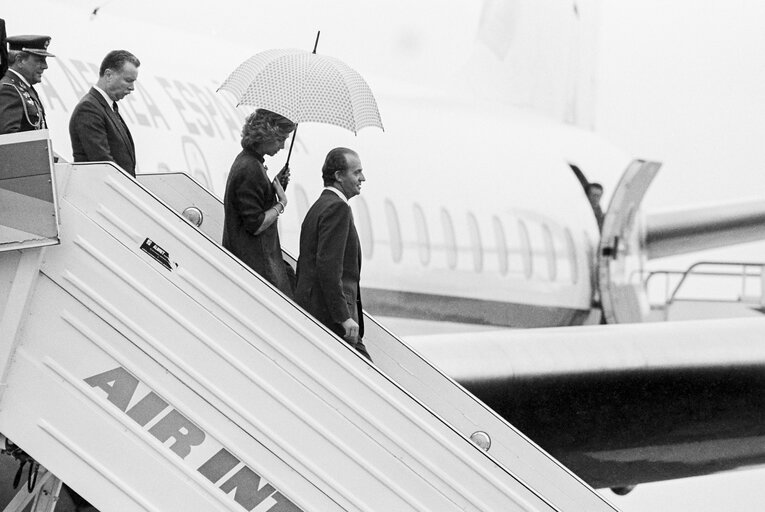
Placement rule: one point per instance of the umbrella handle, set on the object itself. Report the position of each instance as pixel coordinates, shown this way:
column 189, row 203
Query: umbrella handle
column 292, row 143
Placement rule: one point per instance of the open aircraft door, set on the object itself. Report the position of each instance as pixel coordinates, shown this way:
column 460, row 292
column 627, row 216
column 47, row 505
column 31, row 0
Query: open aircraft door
column 620, row 254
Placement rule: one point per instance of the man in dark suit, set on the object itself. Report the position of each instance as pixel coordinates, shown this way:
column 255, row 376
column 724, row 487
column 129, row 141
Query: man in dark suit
column 97, row 130
column 594, row 194
column 20, row 107
column 329, row 266
column 3, row 49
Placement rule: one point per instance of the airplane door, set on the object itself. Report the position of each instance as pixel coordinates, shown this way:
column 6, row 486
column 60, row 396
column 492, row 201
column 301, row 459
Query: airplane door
column 620, row 253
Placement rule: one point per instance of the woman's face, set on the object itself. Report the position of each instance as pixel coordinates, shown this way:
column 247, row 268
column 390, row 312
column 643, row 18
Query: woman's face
column 274, row 146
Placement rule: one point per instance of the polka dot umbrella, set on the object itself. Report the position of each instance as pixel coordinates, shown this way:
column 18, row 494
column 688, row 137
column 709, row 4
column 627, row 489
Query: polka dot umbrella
column 305, row 87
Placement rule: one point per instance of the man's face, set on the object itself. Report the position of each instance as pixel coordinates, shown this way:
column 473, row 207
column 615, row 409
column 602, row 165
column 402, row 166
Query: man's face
column 594, row 194
column 32, row 67
column 120, row 83
column 351, row 179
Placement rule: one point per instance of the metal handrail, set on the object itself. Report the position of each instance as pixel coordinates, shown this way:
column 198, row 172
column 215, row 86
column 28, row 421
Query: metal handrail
column 692, row 271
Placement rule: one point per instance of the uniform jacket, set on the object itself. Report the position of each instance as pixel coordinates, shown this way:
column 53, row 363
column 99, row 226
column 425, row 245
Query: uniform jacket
column 99, row 134
column 329, row 266
column 20, row 108
column 249, row 194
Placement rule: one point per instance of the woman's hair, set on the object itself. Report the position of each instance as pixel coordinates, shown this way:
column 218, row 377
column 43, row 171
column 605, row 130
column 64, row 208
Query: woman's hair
column 263, row 126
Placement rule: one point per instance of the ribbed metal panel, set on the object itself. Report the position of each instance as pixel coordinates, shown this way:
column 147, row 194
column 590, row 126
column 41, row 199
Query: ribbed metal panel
column 154, row 372
column 420, row 378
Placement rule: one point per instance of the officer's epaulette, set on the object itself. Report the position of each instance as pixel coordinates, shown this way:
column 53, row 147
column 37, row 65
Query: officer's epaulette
column 17, row 82
column 14, row 85
column 28, row 101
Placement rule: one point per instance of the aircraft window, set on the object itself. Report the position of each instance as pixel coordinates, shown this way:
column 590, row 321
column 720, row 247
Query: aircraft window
column 365, row 220
column 525, row 249
column 563, row 246
column 450, row 242
column 552, row 261
column 499, row 238
column 394, row 231
column 475, row 242
column 302, row 202
column 539, row 247
column 423, row 240
column 514, row 246
column 571, row 250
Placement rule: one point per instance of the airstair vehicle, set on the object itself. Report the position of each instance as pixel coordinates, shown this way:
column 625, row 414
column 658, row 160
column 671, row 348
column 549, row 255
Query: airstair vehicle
column 146, row 367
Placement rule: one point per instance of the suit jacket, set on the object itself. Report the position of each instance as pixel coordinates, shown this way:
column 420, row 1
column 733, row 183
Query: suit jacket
column 249, row 194
column 329, row 266
column 3, row 49
column 20, row 108
column 99, row 134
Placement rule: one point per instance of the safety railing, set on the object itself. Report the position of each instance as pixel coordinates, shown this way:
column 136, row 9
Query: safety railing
column 722, row 282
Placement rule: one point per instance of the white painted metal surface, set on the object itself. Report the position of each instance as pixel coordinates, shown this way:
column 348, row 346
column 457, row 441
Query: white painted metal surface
column 419, row 377
column 620, row 253
column 27, row 193
column 152, row 371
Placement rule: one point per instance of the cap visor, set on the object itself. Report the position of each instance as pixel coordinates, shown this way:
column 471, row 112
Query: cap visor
column 42, row 53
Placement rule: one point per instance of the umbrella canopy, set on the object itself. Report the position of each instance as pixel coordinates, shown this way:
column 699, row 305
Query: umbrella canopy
column 305, row 87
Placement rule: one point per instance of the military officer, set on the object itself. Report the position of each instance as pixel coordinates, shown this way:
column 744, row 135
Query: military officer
column 20, row 107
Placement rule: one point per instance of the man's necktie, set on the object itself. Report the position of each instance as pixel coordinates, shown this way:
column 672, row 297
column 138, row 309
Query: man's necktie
column 117, row 111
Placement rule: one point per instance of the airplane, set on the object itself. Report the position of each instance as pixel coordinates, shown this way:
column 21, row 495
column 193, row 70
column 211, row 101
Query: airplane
column 472, row 214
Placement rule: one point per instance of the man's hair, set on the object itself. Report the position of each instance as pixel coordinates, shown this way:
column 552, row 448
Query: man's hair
column 15, row 56
column 264, row 126
column 115, row 59
column 594, row 185
column 335, row 161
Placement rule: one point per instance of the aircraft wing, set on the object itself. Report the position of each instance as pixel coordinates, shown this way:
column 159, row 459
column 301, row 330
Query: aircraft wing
column 622, row 404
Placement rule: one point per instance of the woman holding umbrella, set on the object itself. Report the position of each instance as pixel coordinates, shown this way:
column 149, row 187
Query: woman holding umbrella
column 253, row 202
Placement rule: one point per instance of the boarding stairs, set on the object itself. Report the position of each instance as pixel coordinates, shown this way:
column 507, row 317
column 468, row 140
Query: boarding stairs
column 146, row 367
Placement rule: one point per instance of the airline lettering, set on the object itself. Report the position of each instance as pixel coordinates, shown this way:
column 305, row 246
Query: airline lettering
column 249, row 492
